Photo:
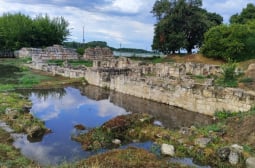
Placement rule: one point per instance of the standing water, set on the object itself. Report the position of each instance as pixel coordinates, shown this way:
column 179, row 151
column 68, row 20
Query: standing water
column 62, row 109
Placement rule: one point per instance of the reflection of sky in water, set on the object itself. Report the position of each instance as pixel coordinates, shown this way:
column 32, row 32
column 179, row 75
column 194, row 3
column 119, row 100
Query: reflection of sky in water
column 60, row 115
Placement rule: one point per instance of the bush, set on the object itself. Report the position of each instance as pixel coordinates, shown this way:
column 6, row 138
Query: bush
column 229, row 77
column 246, row 80
column 230, row 42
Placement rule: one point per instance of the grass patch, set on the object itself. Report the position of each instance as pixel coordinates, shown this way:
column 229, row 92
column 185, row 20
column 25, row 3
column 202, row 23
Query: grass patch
column 73, row 63
column 222, row 115
column 13, row 75
column 198, row 58
column 246, row 80
column 9, row 156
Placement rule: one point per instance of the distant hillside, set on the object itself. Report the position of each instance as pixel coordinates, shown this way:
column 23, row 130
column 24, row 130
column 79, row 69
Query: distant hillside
column 80, row 47
column 134, row 50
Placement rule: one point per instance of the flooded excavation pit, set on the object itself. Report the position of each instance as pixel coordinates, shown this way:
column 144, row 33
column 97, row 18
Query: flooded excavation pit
column 70, row 111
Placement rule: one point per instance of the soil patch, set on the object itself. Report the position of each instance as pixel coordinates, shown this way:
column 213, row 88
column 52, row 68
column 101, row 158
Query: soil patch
column 241, row 130
column 195, row 58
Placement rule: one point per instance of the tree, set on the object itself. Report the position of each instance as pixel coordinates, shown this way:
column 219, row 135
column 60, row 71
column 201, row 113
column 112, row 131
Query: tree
column 14, row 31
column 246, row 15
column 46, row 32
column 230, row 42
column 181, row 24
column 19, row 30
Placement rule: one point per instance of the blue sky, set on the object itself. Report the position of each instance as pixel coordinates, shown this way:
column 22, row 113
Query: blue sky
column 125, row 22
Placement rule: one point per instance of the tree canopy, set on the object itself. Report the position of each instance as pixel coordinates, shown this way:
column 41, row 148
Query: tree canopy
column 236, row 41
column 230, row 42
column 181, row 24
column 246, row 15
column 18, row 30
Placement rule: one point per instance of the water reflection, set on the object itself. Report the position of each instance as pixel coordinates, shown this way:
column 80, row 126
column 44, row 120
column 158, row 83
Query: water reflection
column 43, row 94
column 169, row 116
column 63, row 108
column 60, row 113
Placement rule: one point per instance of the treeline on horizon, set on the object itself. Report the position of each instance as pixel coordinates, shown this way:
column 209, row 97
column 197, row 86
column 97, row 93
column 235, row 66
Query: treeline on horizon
column 80, row 47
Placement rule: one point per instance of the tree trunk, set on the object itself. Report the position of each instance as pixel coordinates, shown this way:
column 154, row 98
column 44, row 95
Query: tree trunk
column 189, row 50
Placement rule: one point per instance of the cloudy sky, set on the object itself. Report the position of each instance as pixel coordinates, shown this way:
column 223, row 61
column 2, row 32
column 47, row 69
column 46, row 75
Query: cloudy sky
column 128, row 23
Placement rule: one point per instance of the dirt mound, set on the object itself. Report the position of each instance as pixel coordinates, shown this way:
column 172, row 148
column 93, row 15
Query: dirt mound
column 241, row 130
column 195, row 58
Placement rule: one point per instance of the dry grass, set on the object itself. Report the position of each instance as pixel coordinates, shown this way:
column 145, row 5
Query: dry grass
column 195, row 58
column 245, row 64
column 127, row 158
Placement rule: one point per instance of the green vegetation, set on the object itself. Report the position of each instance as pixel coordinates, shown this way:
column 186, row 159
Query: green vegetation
column 14, row 107
column 229, row 77
column 14, row 76
column 246, row 80
column 11, row 157
column 230, row 42
column 222, row 115
column 235, row 41
column 181, row 24
column 73, row 63
column 80, row 47
column 134, row 50
column 12, row 111
column 246, row 15
column 18, row 30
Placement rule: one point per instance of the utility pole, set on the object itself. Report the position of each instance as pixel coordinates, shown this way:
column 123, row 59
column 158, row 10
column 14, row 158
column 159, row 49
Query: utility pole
column 120, row 49
column 83, row 40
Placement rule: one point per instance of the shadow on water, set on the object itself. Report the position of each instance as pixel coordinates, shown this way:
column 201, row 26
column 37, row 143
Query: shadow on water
column 61, row 109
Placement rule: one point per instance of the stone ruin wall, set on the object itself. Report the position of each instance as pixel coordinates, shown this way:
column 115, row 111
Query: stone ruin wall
column 169, row 85
column 98, row 53
column 55, row 52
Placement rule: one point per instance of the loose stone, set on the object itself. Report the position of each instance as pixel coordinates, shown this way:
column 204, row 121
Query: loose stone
column 116, row 141
column 233, row 158
column 167, row 149
column 250, row 162
column 202, row 142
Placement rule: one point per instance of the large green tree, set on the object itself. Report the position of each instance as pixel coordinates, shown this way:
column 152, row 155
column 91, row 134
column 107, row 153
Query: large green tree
column 181, row 24
column 14, row 31
column 235, row 41
column 246, row 15
column 230, row 42
column 18, row 30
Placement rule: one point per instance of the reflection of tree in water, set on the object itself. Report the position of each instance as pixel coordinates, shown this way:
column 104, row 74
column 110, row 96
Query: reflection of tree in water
column 57, row 93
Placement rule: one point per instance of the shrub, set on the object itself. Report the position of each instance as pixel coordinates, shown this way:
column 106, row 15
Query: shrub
column 229, row 77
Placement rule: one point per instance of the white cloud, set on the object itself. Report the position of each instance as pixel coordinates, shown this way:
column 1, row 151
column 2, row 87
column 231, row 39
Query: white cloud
column 226, row 8
column 115, row 21
column 130, row 6
column 108, row 109
column 51, row 107
column 41, row 154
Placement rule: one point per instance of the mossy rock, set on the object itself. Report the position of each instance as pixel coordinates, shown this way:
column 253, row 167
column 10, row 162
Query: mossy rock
column 116, row 128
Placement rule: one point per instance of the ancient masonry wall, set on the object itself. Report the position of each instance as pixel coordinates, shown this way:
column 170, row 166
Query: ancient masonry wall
column 98, row 53
column 168, row 86
column 55, row 52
